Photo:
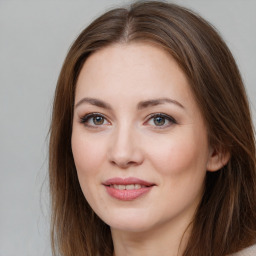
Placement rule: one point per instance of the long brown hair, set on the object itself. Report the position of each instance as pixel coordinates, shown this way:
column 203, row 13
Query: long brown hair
column 225, row 221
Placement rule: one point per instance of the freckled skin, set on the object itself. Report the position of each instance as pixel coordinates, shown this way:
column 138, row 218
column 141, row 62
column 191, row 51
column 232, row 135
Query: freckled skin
column 174, row 157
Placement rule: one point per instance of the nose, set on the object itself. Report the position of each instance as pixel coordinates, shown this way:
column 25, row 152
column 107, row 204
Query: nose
column 125, row 150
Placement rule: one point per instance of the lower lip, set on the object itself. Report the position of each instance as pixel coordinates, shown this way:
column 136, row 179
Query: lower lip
column 127, row 195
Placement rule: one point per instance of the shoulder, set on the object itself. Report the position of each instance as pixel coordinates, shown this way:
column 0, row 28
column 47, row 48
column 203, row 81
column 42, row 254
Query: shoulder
column 249, row 251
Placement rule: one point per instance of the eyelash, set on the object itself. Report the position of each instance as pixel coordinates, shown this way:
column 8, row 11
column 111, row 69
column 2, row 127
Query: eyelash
column 85, row 120
column 170, row 119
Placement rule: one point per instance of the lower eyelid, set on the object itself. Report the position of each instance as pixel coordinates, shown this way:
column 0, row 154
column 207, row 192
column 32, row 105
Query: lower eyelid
column 166, row 117
column 85, row 119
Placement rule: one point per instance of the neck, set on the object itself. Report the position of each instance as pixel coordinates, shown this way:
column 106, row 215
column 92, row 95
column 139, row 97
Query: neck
column 163, row 240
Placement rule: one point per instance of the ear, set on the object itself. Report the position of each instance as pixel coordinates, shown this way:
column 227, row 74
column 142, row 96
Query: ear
column 217, row 159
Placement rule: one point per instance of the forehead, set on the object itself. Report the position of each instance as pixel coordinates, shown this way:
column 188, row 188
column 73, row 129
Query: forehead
column 132, row 67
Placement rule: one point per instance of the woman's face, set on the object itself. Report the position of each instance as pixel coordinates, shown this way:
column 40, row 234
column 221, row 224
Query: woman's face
column 139, row 141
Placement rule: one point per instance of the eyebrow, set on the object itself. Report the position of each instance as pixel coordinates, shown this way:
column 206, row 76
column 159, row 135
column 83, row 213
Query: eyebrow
column 95, row 102
column 155, row 102
column 141, row 104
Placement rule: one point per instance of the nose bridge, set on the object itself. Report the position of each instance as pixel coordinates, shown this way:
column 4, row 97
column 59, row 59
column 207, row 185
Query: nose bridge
column 124, row 149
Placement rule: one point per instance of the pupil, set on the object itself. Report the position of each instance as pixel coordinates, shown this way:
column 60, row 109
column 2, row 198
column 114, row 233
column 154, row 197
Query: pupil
column 159, row 121
column 98, row 120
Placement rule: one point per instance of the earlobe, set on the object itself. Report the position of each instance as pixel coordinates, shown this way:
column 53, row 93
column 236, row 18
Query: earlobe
column 217, row 159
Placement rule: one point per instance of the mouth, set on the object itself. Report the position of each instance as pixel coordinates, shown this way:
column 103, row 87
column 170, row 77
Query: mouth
column 127, row 189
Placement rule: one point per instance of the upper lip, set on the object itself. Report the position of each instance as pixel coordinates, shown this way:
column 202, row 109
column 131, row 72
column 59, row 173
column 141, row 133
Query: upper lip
column 127, row 181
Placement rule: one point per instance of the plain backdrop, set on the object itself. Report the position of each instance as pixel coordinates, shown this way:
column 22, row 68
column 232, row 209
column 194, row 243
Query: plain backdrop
column 34, row 39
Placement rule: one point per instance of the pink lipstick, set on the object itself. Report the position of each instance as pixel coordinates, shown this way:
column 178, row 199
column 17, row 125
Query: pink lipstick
column 127, row 189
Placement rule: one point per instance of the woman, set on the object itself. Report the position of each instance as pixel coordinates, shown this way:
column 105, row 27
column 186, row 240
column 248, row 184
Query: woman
column 152, row 150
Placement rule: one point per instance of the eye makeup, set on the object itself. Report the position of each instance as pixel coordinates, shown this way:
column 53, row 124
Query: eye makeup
column 94, row 120
column 160, row 120
column 156, row 120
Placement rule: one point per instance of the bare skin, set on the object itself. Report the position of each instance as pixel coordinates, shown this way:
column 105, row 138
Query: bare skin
column 135, row 116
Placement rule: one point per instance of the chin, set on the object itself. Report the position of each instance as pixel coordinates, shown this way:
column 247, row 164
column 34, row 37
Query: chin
column 129, row 222
column 130, row 227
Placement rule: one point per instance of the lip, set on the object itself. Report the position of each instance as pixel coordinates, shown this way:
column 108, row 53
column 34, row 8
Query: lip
column 127, row 181
column 125, row 194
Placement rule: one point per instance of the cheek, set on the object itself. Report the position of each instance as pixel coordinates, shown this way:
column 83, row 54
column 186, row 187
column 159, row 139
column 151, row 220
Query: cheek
column 89, row 156
column 179, row 154
column 87, row 153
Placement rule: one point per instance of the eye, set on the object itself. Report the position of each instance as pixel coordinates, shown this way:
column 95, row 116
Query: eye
column 94, row 120
column 161, row 120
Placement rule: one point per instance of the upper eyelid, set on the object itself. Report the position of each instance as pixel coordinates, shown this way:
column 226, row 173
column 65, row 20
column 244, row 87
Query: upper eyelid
column 170, row 121
column 85, row 117
column 162, row 115
column 94, row 114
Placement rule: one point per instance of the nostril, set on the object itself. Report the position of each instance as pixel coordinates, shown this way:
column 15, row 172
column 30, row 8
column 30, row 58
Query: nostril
column 123, row 164
column 124, row 153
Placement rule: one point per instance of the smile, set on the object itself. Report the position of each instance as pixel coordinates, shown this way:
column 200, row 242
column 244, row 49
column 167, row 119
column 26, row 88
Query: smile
column 127, row 189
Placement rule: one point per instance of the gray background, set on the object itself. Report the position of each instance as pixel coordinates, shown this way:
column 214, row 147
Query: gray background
column 34, row 39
